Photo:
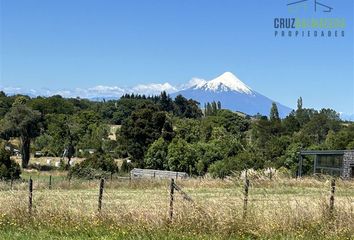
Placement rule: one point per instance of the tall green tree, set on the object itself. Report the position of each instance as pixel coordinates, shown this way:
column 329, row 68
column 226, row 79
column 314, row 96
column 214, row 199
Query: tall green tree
column 186, row 108
column 181, row 156
column 166, row 102
column 140, row 130
column 274, row 113
column 299, row 104
column 63, row 133
column 319, row 126
column 167, row 131
column 156, row 155
column 275, row 120
column 290, row 124
column 22, row 122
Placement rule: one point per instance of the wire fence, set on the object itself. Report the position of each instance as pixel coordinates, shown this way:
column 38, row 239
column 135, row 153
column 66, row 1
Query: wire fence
column 155, row 197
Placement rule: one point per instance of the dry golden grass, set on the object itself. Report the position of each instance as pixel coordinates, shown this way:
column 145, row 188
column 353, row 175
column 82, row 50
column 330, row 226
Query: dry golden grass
column 281, row 207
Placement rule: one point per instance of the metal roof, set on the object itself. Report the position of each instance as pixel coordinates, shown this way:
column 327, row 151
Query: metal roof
column 322, row 152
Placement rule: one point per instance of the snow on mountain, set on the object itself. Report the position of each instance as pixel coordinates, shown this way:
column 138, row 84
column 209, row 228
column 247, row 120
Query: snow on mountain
column 227, row 88
column 233, row 95
column 225, row 82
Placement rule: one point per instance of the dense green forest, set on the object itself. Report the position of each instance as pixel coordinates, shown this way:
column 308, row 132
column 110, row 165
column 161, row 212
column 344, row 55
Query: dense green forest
column 163, row 133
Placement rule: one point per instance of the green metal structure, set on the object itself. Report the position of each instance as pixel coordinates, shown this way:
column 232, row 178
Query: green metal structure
column 333, row 162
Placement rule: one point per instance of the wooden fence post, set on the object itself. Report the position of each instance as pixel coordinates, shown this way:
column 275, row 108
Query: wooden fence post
column 69, row 179
column 245, row 197
column 331, row 199
column 30, row 197
column 100, row 195
column 172, row 189
column 50, row 181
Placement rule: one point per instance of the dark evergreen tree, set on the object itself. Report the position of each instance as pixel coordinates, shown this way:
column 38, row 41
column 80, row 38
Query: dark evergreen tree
column 141, row 129
column 167, row 131
column 299, row 104
column 274, row 114
column 166, row 102
column 186, row 108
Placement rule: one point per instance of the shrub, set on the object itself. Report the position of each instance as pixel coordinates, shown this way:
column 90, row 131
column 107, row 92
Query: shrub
column 40, row 167
column 9, row 169
column 96, row 166
column 219, row 170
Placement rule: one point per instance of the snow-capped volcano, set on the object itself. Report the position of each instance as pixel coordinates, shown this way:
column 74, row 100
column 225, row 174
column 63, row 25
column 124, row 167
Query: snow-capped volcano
column 225, row 82
column 233, row 94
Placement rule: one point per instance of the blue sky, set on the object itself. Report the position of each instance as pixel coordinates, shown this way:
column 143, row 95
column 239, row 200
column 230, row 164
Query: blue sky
column 69, row 44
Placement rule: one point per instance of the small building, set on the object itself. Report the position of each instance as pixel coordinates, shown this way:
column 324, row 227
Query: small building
column 333, row 162
column 151, row 173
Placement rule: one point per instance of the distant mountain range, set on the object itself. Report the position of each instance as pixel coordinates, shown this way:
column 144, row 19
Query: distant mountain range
column 233, row 94
column 227, row 88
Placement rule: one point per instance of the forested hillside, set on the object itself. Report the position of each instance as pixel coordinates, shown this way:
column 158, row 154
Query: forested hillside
column 163, row 133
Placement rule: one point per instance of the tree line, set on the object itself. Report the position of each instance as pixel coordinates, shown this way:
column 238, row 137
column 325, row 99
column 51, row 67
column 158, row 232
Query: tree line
column 169, row 134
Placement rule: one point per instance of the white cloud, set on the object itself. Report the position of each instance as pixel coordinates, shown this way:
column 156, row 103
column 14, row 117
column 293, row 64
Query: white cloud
column 194, row 82
column 97, row 91
column 112, row 91
column 106, row 91
column 153, row 88
column 63, row 93
column 11, row 90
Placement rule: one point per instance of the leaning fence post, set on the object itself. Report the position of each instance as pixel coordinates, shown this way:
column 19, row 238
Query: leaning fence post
column 245, row 197
column 100, row 195
column 172, row 188
column 30, row 197
column 50, row 181
column 331, row 199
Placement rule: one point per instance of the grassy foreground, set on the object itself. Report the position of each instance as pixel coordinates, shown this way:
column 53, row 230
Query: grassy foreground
column 277, row 209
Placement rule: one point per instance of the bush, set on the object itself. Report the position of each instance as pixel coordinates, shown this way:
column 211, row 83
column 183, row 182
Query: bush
column 243, row 160
column 40, row 167
column 96, row 166
column 9, row 169
column 219, row 170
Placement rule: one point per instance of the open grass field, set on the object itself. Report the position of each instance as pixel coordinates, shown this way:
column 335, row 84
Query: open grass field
column 277, row 209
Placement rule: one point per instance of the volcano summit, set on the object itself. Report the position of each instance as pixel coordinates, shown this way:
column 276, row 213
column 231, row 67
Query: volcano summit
column 233, row 95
